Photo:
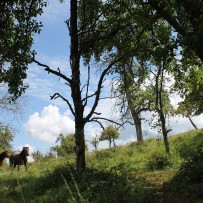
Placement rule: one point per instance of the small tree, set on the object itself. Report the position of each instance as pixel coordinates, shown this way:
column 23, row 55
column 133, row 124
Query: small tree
column 6, row 137
column 95, row 141
column 110, row 134
column 67, row 145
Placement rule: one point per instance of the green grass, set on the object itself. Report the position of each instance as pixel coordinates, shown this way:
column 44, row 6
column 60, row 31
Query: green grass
column 132, row 173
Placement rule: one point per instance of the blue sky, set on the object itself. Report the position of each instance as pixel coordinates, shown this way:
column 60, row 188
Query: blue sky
column 43, row 120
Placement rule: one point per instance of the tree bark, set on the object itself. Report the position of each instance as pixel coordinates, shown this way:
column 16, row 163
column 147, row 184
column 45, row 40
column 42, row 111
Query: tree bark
column 138, row 126
column 135, row 116
column 75, row 88
column 164, row 131
column 159, row 107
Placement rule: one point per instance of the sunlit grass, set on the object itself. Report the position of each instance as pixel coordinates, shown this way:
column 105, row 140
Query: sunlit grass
column 119, row 174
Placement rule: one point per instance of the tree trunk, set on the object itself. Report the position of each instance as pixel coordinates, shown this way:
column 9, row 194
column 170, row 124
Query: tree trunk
column 114, row 143
column 75, row 88
column 193, row 124
column 80, row 147
column 110, row 143
column 138, row 126
column 164, row 131
column 135, row 116
column 159, row 106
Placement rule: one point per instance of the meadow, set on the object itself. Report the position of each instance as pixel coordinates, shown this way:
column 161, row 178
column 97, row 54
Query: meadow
column 136, row 173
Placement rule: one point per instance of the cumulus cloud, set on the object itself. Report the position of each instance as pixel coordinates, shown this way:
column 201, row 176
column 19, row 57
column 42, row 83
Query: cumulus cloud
column 48, row 124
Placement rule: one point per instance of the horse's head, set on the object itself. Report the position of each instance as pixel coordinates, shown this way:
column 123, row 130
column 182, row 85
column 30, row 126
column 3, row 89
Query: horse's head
column 6, row 154
column 26, row 151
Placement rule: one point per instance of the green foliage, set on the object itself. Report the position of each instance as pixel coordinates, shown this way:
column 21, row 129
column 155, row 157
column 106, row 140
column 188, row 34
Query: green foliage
column 158, row 161
column 189, row 179
column 6, row 138
column 37, row 155
column 191, row 87
column 18, row 26
column 110, row 134
column 67, row 145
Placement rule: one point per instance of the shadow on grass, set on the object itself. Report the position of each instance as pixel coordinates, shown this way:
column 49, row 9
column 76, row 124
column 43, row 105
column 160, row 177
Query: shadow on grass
column 65, row 184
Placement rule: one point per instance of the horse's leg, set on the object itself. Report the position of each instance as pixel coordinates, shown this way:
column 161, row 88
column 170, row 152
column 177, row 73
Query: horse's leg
column 25, row 164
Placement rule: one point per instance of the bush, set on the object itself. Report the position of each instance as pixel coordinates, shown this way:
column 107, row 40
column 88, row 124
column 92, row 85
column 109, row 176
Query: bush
column 158, row 161
column 189, row 179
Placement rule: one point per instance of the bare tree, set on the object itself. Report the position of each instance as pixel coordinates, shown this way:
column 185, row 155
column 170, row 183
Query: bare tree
column 81, row 38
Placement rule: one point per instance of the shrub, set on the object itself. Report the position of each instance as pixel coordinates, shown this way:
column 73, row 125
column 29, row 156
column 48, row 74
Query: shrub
column 158, row 161
column 189, row 179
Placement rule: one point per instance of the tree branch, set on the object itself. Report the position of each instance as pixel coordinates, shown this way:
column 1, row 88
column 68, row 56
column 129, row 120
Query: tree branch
column 99, row 87
column 49, row 70
column 95, row 119
column 57, row 95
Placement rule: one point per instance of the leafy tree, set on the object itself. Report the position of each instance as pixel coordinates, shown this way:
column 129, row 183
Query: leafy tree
column 110, row 134
column 6, row 138
column 131, row 95
column 185, row 16
column 66, row 146
column 189, row 86
column 18, row 25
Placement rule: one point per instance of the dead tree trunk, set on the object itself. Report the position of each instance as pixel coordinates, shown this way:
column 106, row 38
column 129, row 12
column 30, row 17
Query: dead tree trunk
column 75, row 87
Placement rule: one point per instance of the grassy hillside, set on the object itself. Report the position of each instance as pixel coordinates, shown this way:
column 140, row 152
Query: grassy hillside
column 132, row 173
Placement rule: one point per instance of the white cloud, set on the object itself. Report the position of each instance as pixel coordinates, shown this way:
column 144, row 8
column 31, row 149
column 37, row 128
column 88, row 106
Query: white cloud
column 55, row 12
column 48, row 124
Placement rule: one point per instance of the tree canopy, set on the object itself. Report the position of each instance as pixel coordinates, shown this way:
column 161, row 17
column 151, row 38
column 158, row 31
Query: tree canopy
column 18, row 26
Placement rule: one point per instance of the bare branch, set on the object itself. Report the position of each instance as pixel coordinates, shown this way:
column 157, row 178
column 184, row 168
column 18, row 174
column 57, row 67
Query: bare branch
column 87, row 90
column 49, row 70
column 57, row 95
column 99, row 87
column 94, row 119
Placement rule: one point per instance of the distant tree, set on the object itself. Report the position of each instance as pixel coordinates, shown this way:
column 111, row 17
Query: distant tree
column 186, row 109
column 37, row 155
column 50, row 154
column 66, row 146
column 95, row 141
column 6, row 138
column 131, row 94
column 110, row 134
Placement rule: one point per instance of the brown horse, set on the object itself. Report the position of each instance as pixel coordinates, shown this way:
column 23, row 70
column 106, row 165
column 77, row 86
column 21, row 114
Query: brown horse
column 4, row 155
column 19, row 159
